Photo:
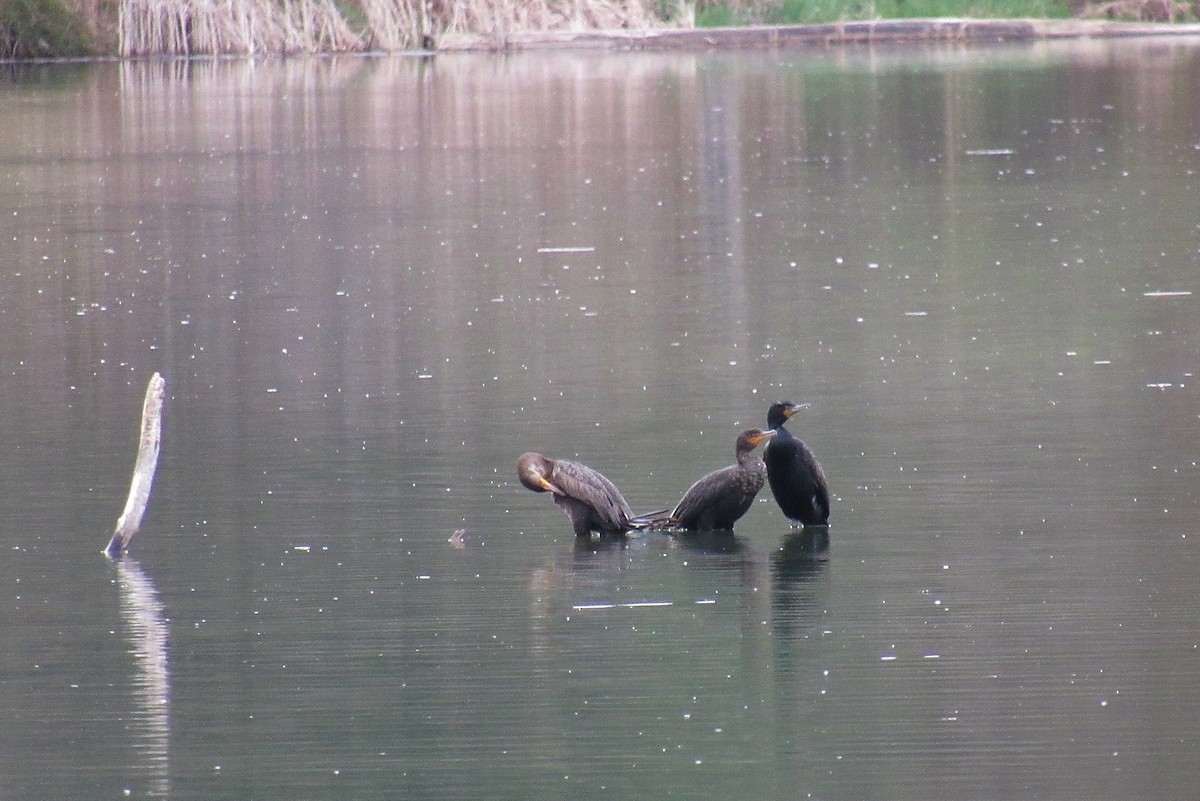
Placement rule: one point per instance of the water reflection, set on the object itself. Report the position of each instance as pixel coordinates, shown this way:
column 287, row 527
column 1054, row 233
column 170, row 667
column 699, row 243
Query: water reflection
column 145, row 629
column 798, row 568
column 710, row 542
column 379, row 281
column 803, row 546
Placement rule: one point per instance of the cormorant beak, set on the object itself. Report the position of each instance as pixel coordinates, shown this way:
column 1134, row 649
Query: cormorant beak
column 766, row 435
column 547, row 486
column 795, row 407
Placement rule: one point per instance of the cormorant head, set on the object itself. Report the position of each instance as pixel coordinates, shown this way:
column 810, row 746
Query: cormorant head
column 749, row 439
column 779, row 413
column 534, row 469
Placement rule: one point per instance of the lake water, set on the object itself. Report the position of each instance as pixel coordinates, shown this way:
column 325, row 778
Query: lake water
column 372, row 283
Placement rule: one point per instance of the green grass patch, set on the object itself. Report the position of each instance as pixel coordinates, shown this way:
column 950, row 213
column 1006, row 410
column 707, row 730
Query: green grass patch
column 354, row 15
column 41, row 29
column 811, row 12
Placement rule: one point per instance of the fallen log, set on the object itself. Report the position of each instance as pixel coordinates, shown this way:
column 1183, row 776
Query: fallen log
column 143, row 470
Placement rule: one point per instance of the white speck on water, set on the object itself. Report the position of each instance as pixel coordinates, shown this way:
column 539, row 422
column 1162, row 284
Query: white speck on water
column 567, row 249
column 1166, row 293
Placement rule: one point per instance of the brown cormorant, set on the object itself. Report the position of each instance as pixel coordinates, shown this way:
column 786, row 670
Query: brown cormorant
column 590, row 500
column 797, row 480
column 719, row 499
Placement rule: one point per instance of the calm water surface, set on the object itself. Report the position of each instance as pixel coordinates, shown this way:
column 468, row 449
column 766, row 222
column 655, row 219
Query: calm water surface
column 372, row 283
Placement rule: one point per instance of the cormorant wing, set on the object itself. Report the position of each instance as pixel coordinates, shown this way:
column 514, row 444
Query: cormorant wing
column 584, row 484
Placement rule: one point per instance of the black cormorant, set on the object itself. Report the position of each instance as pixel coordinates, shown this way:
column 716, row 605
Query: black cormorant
column 590, row 500
column 719, row 499
column 796, row 479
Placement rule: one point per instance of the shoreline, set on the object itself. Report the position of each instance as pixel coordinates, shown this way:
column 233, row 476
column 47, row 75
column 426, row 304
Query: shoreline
column 939, row 30
column 963, row 30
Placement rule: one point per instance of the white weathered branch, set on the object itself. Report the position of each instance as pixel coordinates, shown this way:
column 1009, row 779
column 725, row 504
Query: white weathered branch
column 143, row 471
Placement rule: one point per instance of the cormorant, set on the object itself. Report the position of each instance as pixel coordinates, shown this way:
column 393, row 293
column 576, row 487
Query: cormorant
column 719, row 499
column 590, row 500
column 797, row 480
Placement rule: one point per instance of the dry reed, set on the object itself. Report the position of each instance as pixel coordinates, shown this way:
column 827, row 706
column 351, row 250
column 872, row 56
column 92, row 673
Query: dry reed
column 253, row 27
column 224, row 27
column 1143, row 10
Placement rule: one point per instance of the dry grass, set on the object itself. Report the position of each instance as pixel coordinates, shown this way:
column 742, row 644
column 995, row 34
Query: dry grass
column 394, row 25
column 250, row 27
column 244, row 27
column 500, row 16
column 1143, row 10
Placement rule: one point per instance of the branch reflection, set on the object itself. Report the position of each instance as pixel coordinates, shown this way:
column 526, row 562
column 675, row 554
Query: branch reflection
column 146, row 632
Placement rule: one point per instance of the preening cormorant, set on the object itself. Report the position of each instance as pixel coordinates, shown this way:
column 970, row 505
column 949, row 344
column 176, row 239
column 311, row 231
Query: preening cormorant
column 590, row 500
column 719, row 499
column 797, row 480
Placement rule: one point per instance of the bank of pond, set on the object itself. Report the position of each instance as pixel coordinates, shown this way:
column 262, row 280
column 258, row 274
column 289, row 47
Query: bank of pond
column 49, row 29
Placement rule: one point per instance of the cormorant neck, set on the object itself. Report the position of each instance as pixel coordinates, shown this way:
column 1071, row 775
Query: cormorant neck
column 745, row 457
